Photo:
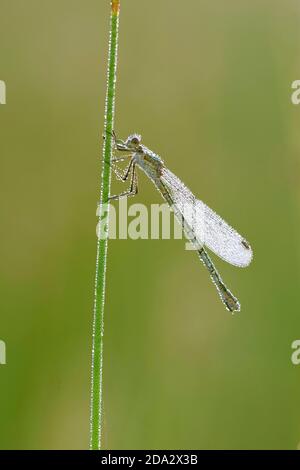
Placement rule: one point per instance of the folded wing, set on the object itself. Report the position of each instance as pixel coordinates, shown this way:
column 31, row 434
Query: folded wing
column 203, row 225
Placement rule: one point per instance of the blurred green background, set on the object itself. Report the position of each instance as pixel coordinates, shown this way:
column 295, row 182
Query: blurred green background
column 208, row 85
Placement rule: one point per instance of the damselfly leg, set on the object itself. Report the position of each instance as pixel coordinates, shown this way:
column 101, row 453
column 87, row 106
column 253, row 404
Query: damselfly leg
column 121, row 174
column 133, row 189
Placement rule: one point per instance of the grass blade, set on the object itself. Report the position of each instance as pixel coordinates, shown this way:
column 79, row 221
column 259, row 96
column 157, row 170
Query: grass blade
column 96, row 417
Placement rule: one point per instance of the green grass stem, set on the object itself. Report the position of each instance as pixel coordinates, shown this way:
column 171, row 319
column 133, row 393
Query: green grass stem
column 96, row 416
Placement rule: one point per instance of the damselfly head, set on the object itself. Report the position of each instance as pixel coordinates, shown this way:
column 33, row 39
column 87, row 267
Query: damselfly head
column 133, row 141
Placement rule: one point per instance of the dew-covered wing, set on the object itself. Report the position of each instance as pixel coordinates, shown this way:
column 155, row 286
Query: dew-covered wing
column 204, row 226
column 223, row 240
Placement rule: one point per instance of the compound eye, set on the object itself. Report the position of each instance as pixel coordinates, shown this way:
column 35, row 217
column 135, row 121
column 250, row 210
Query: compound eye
column 134, row 139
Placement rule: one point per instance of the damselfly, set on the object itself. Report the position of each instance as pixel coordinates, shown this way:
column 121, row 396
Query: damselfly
column 202, row 226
